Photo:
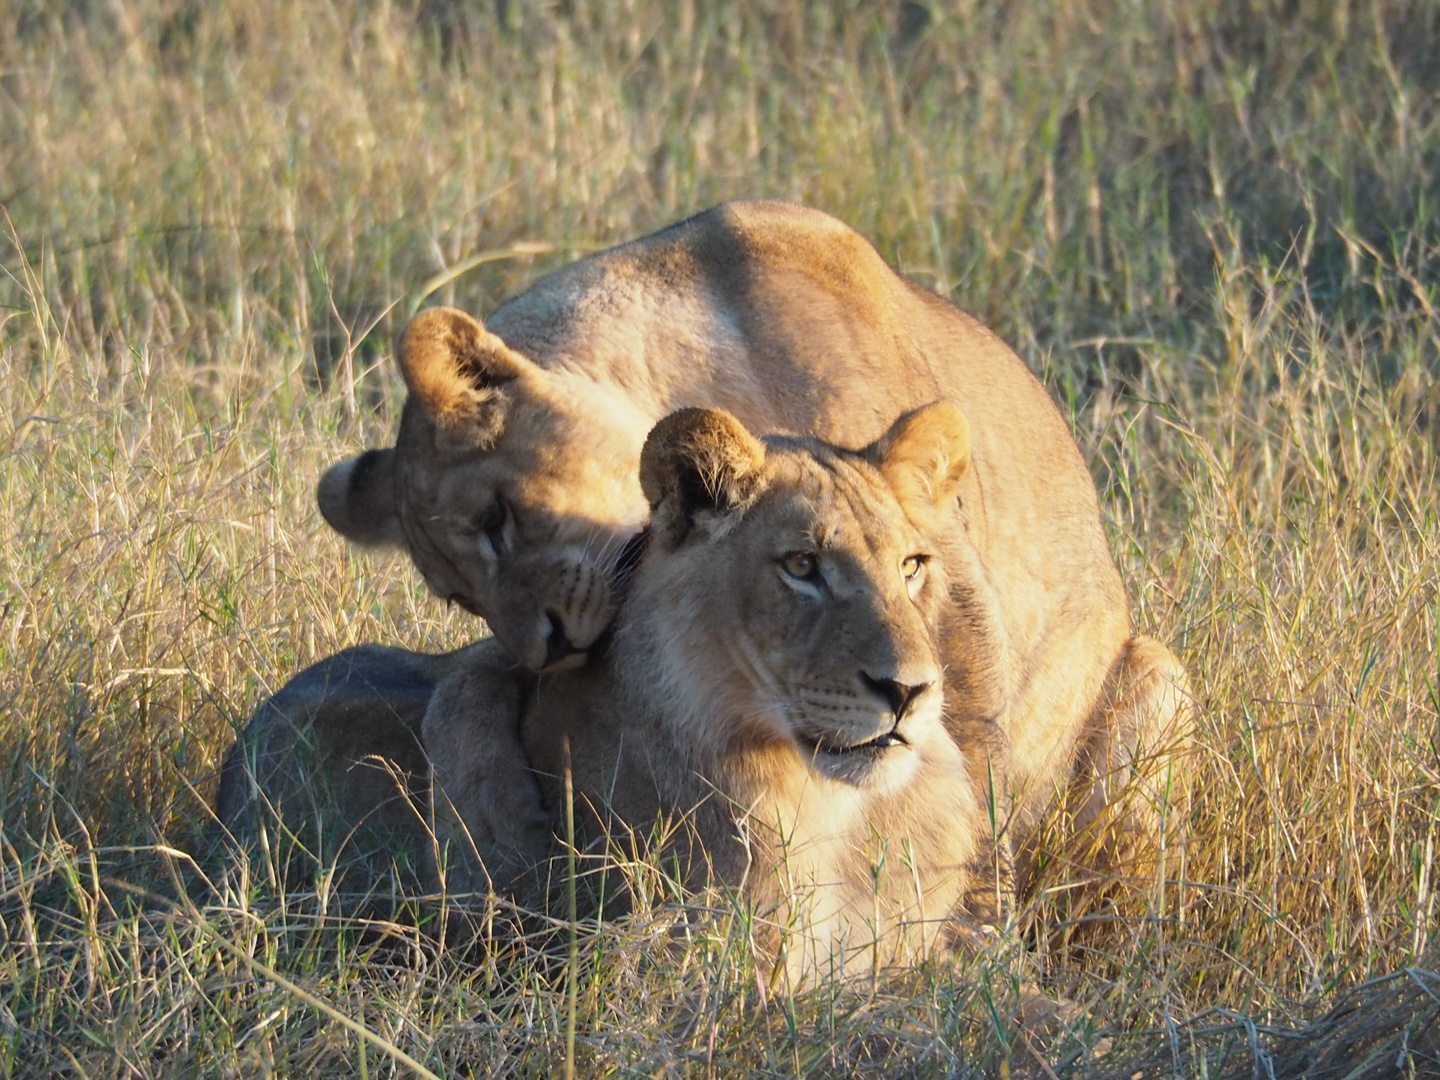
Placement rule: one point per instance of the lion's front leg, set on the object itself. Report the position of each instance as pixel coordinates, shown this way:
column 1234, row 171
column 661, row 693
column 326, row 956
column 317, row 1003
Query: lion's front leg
column 990, row 894
column 978, row 689
column 1127, row 799
column 491, row 826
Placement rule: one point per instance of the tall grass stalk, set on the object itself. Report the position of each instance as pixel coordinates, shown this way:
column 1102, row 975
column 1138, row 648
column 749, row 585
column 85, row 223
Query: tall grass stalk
column 572, row 967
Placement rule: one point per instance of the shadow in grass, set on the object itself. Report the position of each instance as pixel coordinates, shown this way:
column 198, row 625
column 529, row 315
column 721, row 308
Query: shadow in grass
column 1386, row 1027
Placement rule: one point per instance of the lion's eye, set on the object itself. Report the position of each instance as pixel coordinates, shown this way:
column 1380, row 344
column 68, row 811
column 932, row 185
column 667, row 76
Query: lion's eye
column 493, row 522
column 912, row 566
column 801, row 564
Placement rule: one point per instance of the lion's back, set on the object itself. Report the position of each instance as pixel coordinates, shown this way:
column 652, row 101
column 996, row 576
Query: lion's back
column 791, row 320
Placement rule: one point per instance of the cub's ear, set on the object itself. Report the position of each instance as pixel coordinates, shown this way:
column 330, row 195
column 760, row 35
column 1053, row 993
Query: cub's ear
column 454, row 368
column 924, row 455
column 696, row 461
column 357, row 499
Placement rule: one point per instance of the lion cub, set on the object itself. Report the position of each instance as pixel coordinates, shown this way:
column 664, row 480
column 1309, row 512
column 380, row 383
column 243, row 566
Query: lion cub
column 775, row 684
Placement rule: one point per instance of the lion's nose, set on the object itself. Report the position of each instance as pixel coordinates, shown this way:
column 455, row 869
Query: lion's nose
column 896, row 694
column 558, row 645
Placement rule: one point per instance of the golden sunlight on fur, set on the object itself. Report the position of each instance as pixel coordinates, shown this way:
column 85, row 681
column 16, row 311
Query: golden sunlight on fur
column 513, row 481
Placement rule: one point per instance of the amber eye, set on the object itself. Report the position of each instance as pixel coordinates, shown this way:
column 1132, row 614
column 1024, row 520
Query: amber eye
column 801, row 564
column 912, row 566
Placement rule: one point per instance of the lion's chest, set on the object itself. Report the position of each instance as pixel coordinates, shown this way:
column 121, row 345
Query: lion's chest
column 850, row 884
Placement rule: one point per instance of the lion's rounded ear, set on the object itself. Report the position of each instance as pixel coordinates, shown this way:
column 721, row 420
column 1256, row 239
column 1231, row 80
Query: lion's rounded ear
column 454, row 368
column 357, row 499
column 925, row 454
column 695, row 461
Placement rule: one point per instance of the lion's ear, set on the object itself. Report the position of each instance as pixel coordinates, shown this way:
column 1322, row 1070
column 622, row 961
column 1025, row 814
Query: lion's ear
column 925, row 454
column 357, row 499
column 454, row 368
column 697, row 461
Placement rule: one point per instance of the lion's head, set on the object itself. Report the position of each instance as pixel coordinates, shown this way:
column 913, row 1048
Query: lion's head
column 793, row 591
column 511, row 486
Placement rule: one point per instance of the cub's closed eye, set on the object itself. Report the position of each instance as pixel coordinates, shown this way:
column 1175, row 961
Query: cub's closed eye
column 912, row 566
column 493, row 521
column 802, row 565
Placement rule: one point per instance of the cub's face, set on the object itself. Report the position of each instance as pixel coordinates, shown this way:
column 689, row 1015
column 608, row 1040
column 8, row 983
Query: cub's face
column 512, row 488
column 795, row 588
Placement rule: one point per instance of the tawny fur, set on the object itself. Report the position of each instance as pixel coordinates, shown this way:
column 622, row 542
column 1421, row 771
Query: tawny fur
column 723, row 709
column 731, row 690
column 792, row 322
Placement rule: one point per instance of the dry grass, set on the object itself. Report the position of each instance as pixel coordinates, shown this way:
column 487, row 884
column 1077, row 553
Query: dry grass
column 1213, row 227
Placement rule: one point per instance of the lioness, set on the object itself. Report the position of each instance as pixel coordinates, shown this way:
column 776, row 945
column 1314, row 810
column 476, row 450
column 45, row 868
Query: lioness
column 775, row 680
column 512, row 483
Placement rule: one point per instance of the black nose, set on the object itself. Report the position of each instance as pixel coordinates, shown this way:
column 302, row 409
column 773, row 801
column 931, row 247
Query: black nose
column 896, row 694
column 557, row 645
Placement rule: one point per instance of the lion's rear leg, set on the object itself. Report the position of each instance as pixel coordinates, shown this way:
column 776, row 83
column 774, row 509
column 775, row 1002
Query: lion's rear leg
column 1128, row 802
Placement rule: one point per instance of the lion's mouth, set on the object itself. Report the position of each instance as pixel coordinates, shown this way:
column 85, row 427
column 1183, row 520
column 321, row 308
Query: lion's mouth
column 871, row 747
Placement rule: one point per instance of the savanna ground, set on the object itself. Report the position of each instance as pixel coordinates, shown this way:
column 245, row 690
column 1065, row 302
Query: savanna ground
column 1212, row 227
